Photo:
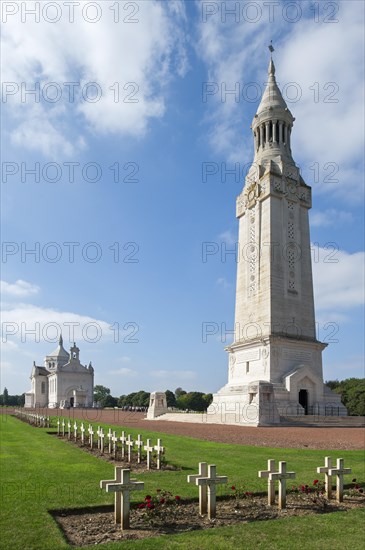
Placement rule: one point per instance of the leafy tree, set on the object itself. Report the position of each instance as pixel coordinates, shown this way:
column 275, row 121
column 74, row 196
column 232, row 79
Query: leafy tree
column 5, row 397
column 170, row 398
column 179, row 392
column 352, row 391
column 100, row 394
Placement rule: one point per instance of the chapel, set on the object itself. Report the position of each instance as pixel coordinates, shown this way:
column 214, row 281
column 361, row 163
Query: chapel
column 62, row 382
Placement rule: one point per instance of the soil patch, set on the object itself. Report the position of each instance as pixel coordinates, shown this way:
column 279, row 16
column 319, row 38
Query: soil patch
column 118, row 460
column 91, row 526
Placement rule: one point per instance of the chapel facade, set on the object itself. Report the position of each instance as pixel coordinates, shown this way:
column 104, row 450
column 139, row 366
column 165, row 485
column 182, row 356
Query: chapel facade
column 62, row 382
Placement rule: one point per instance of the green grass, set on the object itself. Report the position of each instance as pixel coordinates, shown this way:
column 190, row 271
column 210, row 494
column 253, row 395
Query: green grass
column 40, row 472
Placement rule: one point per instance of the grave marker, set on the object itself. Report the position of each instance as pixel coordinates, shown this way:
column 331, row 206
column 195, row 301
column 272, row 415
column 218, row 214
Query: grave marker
column 270, row 482
column 130, row 444
column 327, row 477
column 98, row 431
column 211, row 481
column 339, row 472
column 101, row 437
column 91, row 436
column 110, row 435
column 282, row 475
column 149, row 449
column 139, row 445
column 122, row 485
column 82, row 430
column 115, row 444
column 160, row 450
column 203, row 489
column 58, row 426
column 123, row 440
column 69, row 430
column 75, row 430
column 63, row 427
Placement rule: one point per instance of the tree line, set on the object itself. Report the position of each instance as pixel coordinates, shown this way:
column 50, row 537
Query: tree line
column 179, row 399
column 352, row 391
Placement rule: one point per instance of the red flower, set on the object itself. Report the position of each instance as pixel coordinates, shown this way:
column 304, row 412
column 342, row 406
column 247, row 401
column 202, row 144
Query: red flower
column 177, row 497
column 357, row 486
column 150, row 506
column 315, row 481
column 142, row 505
column 148, row 497
column 162, row 501
column 233, row 488
column 302, row 488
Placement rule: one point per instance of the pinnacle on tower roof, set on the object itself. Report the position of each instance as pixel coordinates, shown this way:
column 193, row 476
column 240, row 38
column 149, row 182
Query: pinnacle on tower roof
column 272, row 98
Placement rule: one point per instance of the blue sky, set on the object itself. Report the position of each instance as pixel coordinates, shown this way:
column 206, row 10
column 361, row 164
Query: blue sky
column 162, row 117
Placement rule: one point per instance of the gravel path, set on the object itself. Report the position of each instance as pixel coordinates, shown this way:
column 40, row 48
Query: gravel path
column 295, row 437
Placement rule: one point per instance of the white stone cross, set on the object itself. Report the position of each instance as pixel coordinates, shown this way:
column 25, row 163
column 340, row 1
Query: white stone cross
column 130, row 444
column 139, row 445
column 63, row 427
column 75, row 430
column 122, row 485
column 110, row 435
column 270, row 482
column 327, row 477
column 58, row 426
column 339, row 472
column 282, row 475
column 203, row 489
column 91, row 436
column 123, row 440
column 114, row 440
column 98, row 431
column 101, row 437
column 149, row 449
column 82, row 429
column 69, row 430
column 211, row 481
column 160, row 450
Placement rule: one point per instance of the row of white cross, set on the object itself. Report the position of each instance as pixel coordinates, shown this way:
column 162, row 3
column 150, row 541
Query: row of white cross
column 207, row 480
column 36, row 419
column 282, row 475
column 127, row 444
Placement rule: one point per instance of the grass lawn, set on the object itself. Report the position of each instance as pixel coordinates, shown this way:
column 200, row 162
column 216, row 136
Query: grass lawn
column 40, row 472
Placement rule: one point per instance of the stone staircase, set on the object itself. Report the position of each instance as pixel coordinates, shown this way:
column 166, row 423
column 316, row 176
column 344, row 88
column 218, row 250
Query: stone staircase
column 323, row 421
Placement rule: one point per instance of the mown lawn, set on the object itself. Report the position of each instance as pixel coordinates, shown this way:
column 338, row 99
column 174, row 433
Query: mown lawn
column 40, row 473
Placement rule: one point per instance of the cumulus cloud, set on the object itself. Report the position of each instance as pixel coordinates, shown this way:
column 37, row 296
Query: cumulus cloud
column 329, row 104
column 331, row 216
column 338, row 279
column 131, row 70
column 19, row 289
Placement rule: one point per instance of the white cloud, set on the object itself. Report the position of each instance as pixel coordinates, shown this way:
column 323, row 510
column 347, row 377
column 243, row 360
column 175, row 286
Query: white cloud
column 306, row 53
column 222, row 281
column 124, row 359
column 325, row 218
column 19, row 289
column 30, row 323
column 228, row 237
column 174, row 374
column 124, row 372
column 338, row 280
column 137, row 60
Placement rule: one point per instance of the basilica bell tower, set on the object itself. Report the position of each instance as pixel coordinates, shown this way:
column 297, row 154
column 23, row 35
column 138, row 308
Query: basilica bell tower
column 275, row 360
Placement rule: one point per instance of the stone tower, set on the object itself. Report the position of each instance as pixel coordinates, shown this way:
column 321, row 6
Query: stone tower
column 275, row 361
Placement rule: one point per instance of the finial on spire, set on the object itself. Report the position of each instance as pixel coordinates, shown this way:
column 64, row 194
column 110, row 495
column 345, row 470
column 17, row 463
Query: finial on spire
column 271, row 64
column 60, row 341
